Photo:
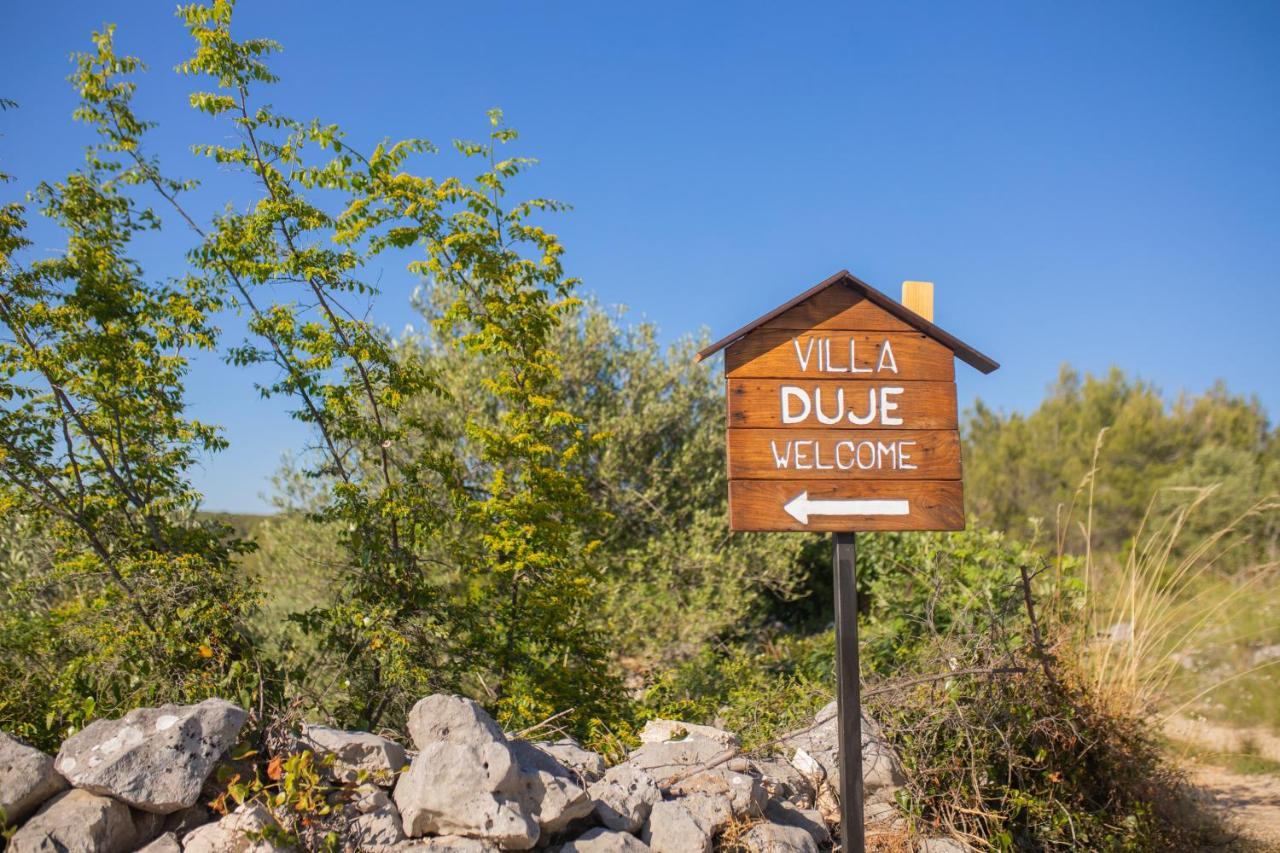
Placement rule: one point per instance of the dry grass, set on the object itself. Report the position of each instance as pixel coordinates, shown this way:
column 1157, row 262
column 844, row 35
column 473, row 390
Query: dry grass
column 1151, row 612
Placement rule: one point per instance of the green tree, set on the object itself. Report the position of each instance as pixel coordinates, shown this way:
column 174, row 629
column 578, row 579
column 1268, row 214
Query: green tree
column 420, row 606
column 126, row 599
column 1097, row 451
column 658, row 478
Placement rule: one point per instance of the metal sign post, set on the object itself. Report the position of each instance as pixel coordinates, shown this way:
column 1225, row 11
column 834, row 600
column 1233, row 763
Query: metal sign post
column 848, row 693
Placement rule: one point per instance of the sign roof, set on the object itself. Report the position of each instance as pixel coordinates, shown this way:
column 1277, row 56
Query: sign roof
column 963, row 351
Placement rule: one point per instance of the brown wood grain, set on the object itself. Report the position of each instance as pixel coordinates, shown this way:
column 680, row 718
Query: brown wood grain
column 863, row 455
column 778, row 354
column 933, row 505
column 837, row 308
column 757, row 403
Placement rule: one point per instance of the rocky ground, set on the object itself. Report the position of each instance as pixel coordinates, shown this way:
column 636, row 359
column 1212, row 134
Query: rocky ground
column 145, row 782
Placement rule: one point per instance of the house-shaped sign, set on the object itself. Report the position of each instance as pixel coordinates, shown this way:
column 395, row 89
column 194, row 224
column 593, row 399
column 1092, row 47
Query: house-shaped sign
column 842, row 413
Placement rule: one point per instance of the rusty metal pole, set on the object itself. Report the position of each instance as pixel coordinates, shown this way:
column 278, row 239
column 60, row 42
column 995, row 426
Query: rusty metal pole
column 848, row 693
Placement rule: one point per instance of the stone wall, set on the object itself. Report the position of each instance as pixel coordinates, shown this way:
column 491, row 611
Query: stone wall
column 146, row 781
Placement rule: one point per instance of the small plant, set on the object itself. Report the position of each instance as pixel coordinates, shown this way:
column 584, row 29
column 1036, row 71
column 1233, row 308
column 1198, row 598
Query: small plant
column 305, row 806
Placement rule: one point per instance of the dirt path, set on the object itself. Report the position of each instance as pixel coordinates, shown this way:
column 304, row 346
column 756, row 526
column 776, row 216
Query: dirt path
column 1249, row 801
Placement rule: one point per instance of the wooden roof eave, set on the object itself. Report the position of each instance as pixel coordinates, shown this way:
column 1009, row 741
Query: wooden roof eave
column 963, row 351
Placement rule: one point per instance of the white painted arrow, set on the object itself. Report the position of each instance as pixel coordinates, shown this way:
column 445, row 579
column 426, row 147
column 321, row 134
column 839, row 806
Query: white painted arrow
column 800, row 507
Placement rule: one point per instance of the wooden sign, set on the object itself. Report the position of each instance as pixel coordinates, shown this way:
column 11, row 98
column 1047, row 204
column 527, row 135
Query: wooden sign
column 842, row 418
column 842, row 414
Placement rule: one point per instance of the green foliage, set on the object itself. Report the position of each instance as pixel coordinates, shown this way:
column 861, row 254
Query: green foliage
column 1009, row 749
column 1036, row 468
column 124, row 598
column 657, row 478
column 758, row 689
column 520, row 581
column 475, row 577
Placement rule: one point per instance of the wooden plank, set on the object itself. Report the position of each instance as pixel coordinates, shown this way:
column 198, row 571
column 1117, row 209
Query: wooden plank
column 781, row 354
column 758, row 403
column 762, row 505
column 831, row 454
column 917, row 296
column 837, row 309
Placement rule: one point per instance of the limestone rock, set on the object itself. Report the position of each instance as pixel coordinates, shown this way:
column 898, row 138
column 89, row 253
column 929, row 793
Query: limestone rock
column 941, row 845
column 745, row 792
column 154, row 759
column 663, row 760
column 882, row 813
column 374, row 826
column 776, row 838
column 783, row 781
column 231, row 834
column 810, row 820
column 357, row 756
column 465, row 779
column 569, row 753
column 369, row 798
column 662, row 731
column 452, row 719
column 624, row 797
column 77, row 822
column 147, row 826
column 817, row 751
column 185, row 820
column 167, row 843
column 601, row 840
column 713, row 811
column 441, row 844
column 672, row 828
column 27, row 779
column 550, row 793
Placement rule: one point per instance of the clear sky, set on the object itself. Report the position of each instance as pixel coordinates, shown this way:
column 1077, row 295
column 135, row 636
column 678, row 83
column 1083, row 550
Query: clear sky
column 1087, row 182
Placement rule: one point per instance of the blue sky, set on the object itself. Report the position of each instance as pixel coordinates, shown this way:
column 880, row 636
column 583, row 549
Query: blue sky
column 1086, row 182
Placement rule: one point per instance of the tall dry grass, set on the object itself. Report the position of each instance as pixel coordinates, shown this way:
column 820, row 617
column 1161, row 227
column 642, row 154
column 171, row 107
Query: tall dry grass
column 1164, row 622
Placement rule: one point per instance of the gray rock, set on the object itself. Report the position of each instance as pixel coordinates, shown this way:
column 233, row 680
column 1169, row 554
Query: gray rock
column 373, row 827
column 441, row 844
column 237, row 832
column 356, row 756
column 714, row 811
column 154, row 759
column 77, row 822
column 167, row 843
column 147, row 826
column 27, row 779
column 624, row 797
column 442, row 718
column 663, row 731
column 816, row 753
column 810, row 820
column 570, row 754
column 885, row 813
column 369, row 798
column 776, row 838
column 745, row 792
column 601, row 840
column 670, row 758
column 465, row 779
column 940, row 845
column 549, row 792
column 672, row 828
column 782, row 781
column 183, row 821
